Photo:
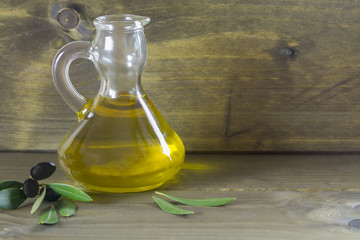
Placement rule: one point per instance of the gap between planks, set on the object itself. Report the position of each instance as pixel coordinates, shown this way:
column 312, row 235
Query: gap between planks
column 309, row 190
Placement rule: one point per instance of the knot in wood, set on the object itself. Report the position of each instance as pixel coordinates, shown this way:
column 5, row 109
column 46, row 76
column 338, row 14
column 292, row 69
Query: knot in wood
column 287, row 52
column 68, row 18
column 354, row 223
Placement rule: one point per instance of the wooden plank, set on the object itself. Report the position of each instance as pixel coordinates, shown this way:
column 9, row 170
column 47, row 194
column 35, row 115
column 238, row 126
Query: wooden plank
column 227, row 75
column 278, row 197
column 256, row 215
column 234, row 172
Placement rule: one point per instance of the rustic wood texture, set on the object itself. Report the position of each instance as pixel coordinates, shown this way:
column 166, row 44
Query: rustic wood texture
column 278, row 197
column 234, row 75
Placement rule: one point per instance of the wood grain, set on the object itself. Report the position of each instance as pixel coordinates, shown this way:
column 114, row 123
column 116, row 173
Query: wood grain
column 232, row 75
column 278, row 197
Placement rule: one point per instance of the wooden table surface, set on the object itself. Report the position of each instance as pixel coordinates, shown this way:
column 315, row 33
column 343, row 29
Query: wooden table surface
column 279, row 196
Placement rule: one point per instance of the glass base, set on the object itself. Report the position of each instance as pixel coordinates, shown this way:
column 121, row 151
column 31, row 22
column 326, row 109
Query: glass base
column 120, row 190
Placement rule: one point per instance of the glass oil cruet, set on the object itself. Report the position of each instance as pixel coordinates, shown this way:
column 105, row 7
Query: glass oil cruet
column 120, row 143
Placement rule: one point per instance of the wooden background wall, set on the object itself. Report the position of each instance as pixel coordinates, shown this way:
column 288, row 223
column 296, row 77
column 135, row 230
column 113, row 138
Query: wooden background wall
column 228, row 75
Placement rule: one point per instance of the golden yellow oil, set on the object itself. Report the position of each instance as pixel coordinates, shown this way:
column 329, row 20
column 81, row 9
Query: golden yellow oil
column 121, row 145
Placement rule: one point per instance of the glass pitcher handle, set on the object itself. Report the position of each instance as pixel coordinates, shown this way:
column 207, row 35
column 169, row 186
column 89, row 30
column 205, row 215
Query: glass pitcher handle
column 60, row 72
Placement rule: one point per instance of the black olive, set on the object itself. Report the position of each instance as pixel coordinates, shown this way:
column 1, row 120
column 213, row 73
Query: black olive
column 50, row 195
column 42, row 170
column 30, row 187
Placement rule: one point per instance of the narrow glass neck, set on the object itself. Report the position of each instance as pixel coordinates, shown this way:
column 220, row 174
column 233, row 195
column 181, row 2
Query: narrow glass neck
column 120, row 56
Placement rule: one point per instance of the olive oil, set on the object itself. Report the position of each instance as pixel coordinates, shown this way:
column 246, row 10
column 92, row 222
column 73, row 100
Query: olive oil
column 121, row 144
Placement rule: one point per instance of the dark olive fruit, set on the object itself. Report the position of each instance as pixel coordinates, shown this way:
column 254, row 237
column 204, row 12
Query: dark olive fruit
column 30, row 188
column 42, row 170
column 50, row 195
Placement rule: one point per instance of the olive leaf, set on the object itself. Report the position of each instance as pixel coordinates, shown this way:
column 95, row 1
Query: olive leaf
column 38, row 201
column 11, row 198
column 10, row 184
column 209, row 202
column 66, row 207
column 49, row 217
column 70, row 192
column 170, row 208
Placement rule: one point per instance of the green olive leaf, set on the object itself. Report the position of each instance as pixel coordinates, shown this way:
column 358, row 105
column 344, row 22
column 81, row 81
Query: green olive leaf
column 10, row 184
column 70, row 192
column 49, row 217
column 170, row 208
column 66, row 207
column 38, row 201
column 210, row 202
column 11, row 198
